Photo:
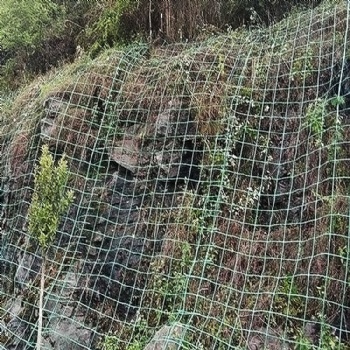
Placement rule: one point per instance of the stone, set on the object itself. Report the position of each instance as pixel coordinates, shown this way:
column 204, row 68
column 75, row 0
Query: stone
column 125, row 153
column 266, row 338
column 167, row 338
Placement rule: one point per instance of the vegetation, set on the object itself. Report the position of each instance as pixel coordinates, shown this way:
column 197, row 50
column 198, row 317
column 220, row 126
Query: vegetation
column 258, row 234
column 36, row 35
column 50, row 200
column 23, row 24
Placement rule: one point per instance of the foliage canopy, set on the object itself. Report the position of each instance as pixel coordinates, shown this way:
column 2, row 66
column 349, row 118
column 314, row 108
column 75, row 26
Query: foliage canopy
column 23, row 24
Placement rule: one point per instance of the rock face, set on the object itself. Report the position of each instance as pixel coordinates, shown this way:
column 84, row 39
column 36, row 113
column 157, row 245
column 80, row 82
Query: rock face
column 99, row 261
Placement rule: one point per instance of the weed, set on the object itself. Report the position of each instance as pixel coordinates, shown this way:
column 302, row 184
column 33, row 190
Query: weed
column 302, row 66
column 137, row 335
column 288, row 300
column 329, row 341
column 302, row 342
column 337, row 101
column 315, row 120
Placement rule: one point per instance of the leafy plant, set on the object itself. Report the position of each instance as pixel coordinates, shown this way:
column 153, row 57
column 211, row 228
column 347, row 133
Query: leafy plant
column 302, row 342
column 50, row 200
column 337, row 101
column 315, row 120
column 288, row 298
column 302, row 66
column 328, row 340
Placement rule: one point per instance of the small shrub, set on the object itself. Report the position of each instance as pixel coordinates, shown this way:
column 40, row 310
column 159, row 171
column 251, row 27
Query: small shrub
column 50, row 200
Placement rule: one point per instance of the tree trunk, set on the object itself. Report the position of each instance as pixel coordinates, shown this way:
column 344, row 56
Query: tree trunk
column 41, row 298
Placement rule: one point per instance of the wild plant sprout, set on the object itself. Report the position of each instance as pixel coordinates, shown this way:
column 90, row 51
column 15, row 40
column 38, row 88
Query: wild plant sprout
column 50, row 201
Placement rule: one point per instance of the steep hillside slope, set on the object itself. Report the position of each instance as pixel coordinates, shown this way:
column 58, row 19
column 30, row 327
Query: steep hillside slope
column 211, row 194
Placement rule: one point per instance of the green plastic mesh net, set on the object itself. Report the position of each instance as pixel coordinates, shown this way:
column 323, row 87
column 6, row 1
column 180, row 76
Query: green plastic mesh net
column 211, row 183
